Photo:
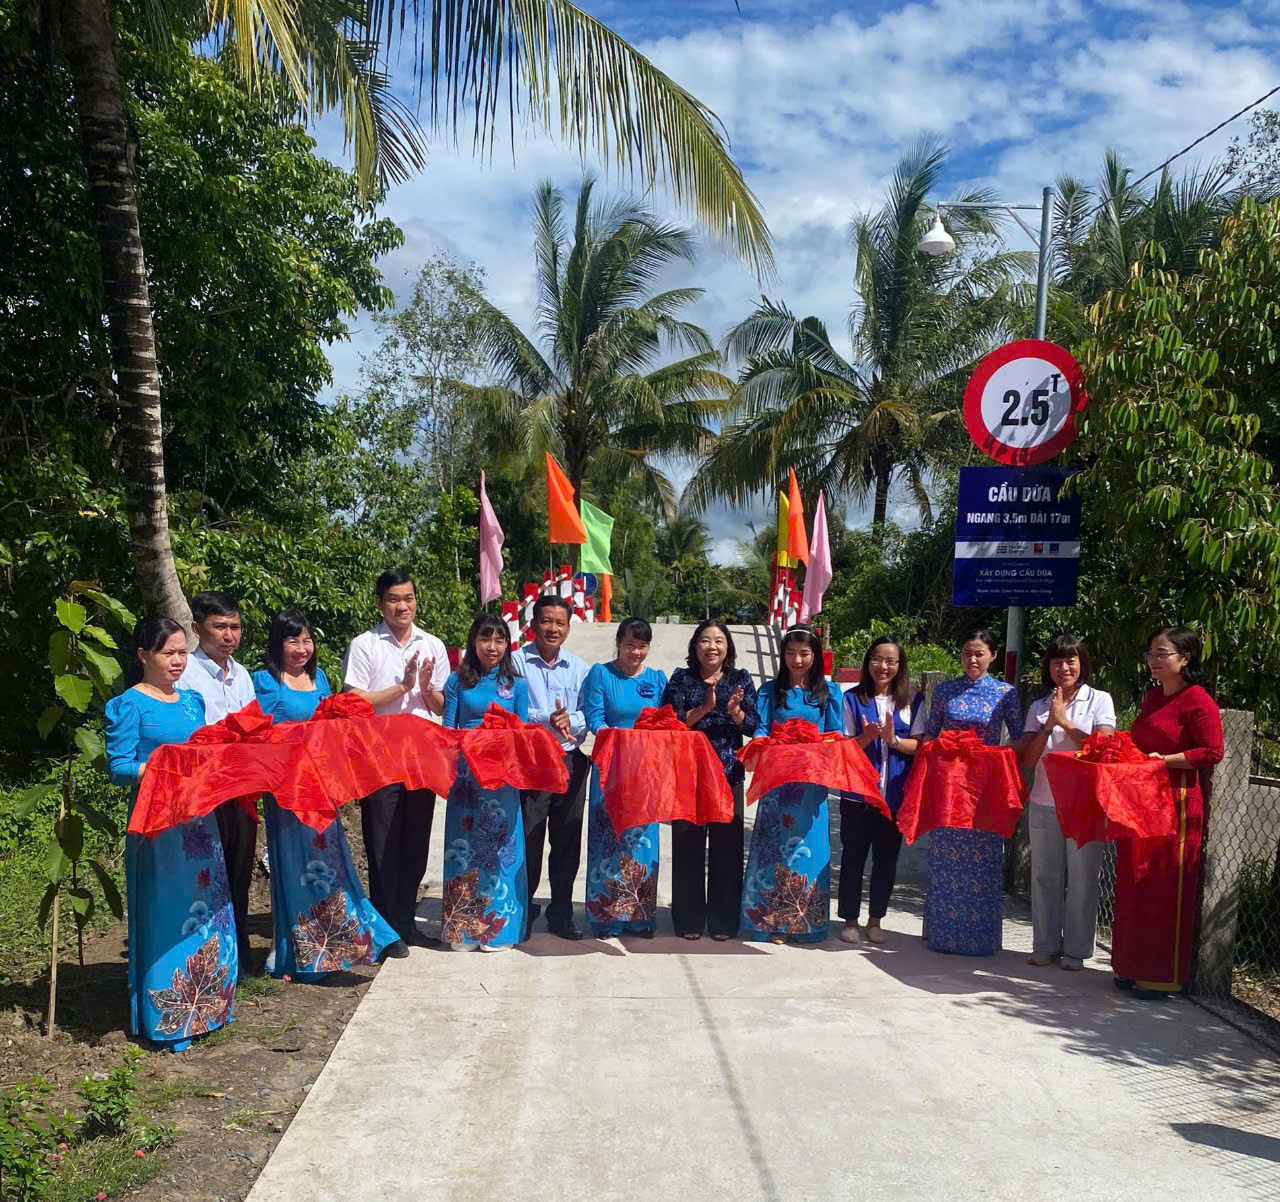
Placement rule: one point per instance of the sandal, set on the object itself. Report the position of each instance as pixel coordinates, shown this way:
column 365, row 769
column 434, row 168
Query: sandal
column 722, row 938
column 692, row 936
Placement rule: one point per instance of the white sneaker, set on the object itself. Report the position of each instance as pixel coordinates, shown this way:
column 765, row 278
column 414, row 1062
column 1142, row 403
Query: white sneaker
column 851, row 934
column 502, row 947
column 462, row 947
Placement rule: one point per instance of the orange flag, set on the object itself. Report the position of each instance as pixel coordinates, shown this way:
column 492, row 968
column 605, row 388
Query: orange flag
column 564, row 524
column 606, row 598
column 797, row 541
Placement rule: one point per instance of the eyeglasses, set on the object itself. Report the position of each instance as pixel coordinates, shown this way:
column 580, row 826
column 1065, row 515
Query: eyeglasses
column 883, row 663
column 1156, row 657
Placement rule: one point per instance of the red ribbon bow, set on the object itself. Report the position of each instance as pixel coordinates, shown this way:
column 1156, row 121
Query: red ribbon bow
column 342, row 705
column 249, row 725
column 496, row 718
column 658, row 718
column 1117, row 748
column 799, row 730
column 958, row 740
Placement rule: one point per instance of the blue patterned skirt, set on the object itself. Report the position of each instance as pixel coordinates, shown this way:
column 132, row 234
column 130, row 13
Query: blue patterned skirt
column 622, row 873
column 963, row 909
column 183, row 961
column 787, row 887
column 322, row 920
column 486, row 891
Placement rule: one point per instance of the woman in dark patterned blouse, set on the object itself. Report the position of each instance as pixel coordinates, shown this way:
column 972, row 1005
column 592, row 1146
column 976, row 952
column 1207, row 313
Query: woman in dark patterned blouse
column 716, row 697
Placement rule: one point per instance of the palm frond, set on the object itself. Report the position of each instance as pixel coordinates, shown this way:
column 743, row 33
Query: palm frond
column 531, row 57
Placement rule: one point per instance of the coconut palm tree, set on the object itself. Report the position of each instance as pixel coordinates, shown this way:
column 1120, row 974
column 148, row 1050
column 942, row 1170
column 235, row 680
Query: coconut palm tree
column 683, row 541
column 1100, row 233
column 598, row 396
column 319, row 55
column 855, row 426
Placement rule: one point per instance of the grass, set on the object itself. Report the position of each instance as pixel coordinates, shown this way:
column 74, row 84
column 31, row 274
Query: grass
column 155, row 1096
column 251, row 988
column 242, row 1120
column 103, row 1166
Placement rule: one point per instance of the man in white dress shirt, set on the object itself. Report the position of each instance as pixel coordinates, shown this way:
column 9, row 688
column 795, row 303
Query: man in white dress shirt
column 399, row 669
column 555, row 678
column 226, row 686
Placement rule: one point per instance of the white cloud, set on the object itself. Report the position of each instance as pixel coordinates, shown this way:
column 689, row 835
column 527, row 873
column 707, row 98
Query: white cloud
column 820, row 105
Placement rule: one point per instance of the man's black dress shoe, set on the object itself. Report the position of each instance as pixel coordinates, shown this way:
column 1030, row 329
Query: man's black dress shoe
column 566, row 930
column 393, row 951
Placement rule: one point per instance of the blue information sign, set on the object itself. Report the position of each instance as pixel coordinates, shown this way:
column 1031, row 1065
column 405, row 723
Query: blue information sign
column 1017, row 543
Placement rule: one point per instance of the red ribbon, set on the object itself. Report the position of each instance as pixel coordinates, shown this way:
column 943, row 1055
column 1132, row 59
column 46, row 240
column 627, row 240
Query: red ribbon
column 658, row 718
column 1116, row 748
column 342, row 705
column 249, row 725
column 958, row 781
column 505, row 750
column 796, row 752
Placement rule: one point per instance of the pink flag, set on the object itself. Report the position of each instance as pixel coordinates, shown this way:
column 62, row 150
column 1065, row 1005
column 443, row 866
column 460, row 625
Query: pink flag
column 818, row 574
column 491, row 540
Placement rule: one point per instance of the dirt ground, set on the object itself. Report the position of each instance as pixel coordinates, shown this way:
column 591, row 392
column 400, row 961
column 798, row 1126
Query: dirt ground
column 241, row 1086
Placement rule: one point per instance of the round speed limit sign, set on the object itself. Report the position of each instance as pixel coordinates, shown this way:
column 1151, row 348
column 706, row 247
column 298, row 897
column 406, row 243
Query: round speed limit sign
column 1021, row 403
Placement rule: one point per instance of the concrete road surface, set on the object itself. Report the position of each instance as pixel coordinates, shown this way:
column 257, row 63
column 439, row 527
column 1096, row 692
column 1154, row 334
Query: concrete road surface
column 603, row 1071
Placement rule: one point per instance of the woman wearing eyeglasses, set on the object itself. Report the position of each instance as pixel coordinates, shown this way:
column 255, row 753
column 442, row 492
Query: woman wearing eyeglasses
column 1157, row 880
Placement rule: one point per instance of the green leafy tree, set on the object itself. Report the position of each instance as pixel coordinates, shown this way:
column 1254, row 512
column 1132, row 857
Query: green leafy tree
column 1179, row 369
column 601, row 399
column 428, row 346
column 260, row 249
column 855, row 427
column 86, row 675
column 311, row 58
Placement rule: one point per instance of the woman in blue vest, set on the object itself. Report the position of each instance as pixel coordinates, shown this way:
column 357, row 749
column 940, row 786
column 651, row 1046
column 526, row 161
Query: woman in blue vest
column 183, row 959
column 622, row 871
column 882, row 711
column 786, row 893
column 322, row 920
column 486, row 891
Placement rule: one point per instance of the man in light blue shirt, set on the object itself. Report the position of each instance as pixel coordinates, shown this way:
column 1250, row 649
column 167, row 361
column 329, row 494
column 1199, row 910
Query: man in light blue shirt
column 226, row 686
column 555, row 677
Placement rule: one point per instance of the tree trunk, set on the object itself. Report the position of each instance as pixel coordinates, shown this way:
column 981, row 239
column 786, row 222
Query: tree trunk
column 89, row 43
column 881, row 508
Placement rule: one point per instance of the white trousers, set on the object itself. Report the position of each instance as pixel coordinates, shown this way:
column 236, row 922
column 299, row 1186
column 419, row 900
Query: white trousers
column 1064, row 888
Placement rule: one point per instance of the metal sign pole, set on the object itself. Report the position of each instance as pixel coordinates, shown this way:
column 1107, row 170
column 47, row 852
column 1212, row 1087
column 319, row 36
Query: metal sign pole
column 1016, row 620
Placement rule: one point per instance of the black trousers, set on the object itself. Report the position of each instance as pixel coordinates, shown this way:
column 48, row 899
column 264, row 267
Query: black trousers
column 239, row 835
column 706, row 874
column 864, row 829
column 556, row 817
column 396, row 824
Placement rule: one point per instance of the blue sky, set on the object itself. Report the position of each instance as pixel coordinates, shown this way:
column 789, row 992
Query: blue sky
column 821, row 99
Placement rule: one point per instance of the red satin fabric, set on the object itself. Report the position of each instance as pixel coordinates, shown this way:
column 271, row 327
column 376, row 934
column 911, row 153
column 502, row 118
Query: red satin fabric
column 1110, row 790
column 660, row 771
column 311, row 767
column 503, row 750
column 958, row 781
column 796, row 751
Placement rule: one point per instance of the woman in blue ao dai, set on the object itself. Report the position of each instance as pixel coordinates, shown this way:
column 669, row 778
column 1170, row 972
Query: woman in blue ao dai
column 182, row 939
column 321, row 919
column 964, row 904
column 622, row 872
column 486, row 892
column 786, row 893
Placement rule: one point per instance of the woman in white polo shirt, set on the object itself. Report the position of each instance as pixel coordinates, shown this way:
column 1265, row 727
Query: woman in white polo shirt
column 1064, row 914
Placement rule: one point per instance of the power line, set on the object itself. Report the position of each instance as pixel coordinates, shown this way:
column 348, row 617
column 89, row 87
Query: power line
column 1189, row 147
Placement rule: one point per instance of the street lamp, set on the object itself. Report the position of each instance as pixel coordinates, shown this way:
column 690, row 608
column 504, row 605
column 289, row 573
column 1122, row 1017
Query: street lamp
column 938, row 242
